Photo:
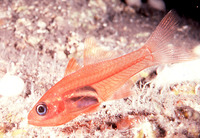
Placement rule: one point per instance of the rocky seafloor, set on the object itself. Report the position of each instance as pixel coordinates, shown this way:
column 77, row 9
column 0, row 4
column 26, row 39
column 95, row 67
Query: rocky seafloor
column 37, row 39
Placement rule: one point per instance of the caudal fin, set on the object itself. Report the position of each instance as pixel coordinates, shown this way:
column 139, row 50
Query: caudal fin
column 158, row 42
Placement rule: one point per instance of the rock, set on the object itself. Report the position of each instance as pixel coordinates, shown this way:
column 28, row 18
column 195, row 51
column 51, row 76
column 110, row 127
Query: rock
column 61, row 55
column 11, row 85
column 41, row 24
column 33, row 40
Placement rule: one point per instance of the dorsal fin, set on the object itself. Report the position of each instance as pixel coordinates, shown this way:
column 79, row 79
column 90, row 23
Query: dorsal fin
column 93, row 53
column 71, row 67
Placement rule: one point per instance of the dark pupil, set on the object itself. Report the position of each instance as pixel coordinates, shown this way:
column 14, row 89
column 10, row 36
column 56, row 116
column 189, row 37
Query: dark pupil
column 41, row 109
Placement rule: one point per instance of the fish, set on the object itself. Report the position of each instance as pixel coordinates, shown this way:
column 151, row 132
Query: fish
column 102, row 77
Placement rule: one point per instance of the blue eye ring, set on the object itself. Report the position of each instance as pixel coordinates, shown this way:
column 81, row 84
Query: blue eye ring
column 41, row 109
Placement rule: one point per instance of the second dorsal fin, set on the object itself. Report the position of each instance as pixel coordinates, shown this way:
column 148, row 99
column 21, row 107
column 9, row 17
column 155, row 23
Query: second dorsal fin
column 94, row 53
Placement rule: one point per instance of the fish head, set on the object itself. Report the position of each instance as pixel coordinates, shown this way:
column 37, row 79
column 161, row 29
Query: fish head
column 49, row 110
column 56, row 108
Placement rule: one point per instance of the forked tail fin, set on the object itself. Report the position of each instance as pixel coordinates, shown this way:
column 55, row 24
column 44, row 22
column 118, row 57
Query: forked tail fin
column 161, row 37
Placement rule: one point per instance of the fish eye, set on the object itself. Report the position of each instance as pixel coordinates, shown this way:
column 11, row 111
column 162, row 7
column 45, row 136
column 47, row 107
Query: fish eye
column 41, row 109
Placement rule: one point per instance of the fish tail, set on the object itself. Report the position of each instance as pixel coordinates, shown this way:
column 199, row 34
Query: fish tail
column 159, row 42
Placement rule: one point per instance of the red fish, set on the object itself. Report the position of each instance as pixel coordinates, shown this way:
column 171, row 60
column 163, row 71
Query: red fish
column 83, row 89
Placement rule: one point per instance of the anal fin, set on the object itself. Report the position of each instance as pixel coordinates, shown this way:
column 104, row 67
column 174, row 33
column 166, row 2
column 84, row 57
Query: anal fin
column 124, row 91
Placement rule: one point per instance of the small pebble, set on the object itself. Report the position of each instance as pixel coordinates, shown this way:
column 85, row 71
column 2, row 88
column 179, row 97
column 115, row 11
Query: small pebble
column 33, row 40
column 11, row 85
column 41, row 24
column 197, row 89
column 60, row 21
column 61, row 55
column 196, row 50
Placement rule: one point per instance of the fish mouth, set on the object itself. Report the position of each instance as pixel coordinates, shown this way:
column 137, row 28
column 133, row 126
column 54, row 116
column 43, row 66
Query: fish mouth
column 42, row 124
column 35, row 122
column 32, row 119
